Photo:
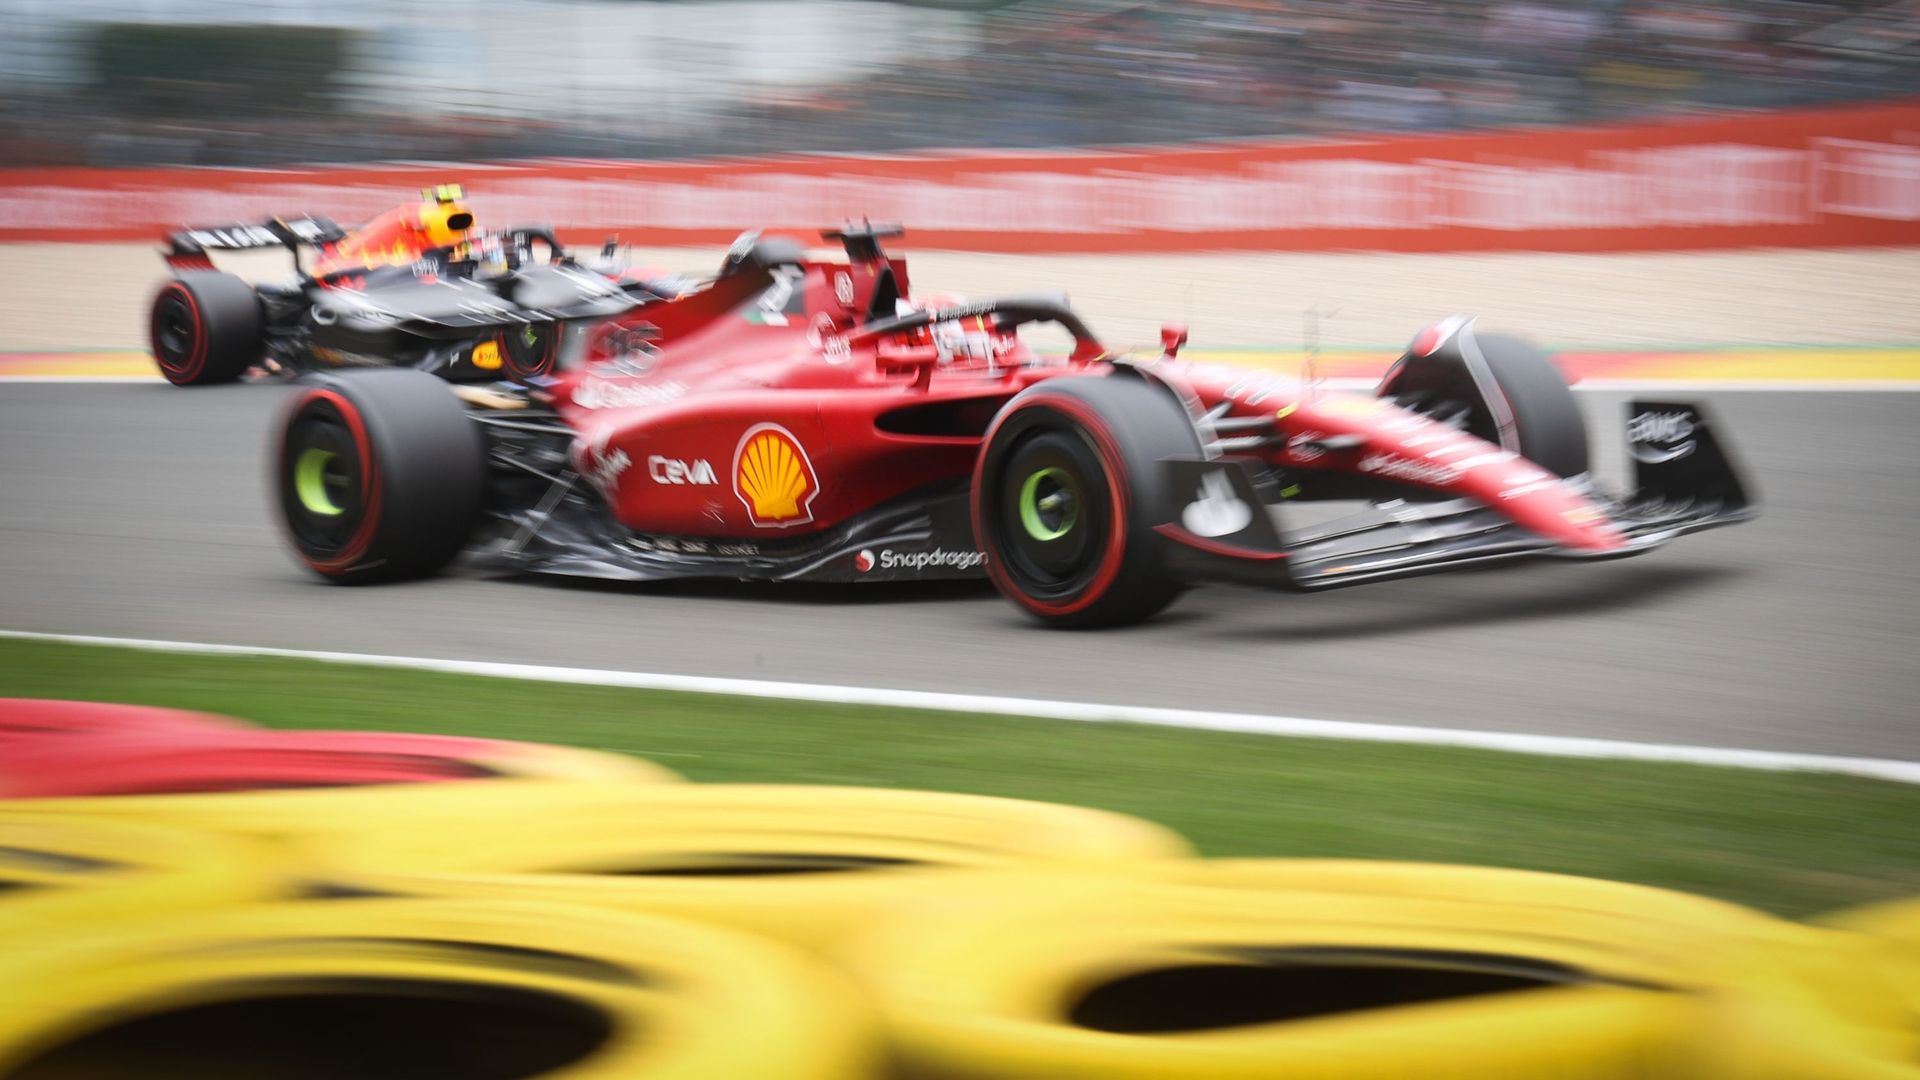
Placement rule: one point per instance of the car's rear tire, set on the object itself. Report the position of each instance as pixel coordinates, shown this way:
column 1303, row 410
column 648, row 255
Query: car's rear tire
column 1551, row 430
column 1066, row 494
column 379, row 475
column 206, row 327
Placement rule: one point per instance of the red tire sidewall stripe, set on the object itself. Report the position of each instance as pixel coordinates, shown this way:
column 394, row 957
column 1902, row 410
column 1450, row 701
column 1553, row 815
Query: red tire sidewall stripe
column 196, row 362
column 1095, row 427
column 362, row 538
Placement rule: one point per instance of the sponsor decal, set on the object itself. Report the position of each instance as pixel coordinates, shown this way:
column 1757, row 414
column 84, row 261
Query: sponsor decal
column 666, row 470
column 627, row 350
column 674, row 545
column 918, row 561
column 773, row 477
column 1582, row 515
column 601, row 394
column 1489, row 458
column 1305, row 446
column 1216, row 510
column 843, row 288
column 1656, row 437
column 601, row 465
column 780, row 298
column 820, row 329
column 1415, row 472
column 1526, row 480
column 1528, row 488
column 251, row 236
column 486, row 356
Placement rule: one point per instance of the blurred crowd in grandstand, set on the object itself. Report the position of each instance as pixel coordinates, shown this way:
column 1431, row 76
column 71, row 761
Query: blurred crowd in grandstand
column 233, row 86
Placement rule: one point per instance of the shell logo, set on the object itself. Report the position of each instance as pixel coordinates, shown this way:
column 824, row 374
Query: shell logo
column 773, row 478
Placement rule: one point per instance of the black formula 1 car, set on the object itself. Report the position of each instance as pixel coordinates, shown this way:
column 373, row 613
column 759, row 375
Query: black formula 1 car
column 416, row 287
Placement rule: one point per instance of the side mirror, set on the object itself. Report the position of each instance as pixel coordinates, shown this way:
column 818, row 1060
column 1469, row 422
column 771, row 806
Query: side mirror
column 1172, row 336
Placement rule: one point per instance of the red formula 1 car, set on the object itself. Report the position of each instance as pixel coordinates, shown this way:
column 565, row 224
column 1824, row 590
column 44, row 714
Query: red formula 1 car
column 802, row 418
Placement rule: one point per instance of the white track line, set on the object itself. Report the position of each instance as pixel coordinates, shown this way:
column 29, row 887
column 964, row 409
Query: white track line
column 1905, row 772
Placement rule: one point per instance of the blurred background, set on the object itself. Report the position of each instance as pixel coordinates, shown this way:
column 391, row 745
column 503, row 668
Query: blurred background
column 1765, row 240
column 244, row 83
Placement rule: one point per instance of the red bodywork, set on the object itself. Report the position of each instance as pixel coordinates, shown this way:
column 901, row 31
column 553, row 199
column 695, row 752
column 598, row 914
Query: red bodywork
column 752, row 421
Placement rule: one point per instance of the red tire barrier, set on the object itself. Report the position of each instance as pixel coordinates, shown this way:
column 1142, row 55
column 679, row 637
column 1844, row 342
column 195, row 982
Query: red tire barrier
column 31, row 724
column 185, row 760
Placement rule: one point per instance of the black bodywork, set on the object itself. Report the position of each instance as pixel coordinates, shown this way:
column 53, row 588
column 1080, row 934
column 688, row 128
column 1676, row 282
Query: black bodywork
column 457, row 317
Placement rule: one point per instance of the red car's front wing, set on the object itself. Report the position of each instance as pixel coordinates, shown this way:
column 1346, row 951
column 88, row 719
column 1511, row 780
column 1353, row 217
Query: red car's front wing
column 1681, row 486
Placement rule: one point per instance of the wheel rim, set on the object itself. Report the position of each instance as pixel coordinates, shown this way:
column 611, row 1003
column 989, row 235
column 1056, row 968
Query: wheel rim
column 315, row 472
column 1051, row 531
column 321, row 483
column 1049, row 507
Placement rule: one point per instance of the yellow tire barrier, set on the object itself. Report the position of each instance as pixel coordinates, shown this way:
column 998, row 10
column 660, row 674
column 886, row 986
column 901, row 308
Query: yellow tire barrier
column 1853, row 1012
column 1309, row 971
column 802, row 864
column 60, row 876
column 379, row 989
column 1896, row 922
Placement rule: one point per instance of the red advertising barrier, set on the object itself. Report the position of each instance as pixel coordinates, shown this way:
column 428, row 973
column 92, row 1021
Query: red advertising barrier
column 1829, row 177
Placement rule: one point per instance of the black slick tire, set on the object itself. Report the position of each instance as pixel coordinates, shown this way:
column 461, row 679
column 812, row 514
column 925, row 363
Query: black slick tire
column 1066, row 494
column 205, row 327
column 379, row 475
column 1551, row 431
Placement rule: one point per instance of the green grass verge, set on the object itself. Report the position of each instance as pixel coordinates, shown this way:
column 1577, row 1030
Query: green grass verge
column 1793, row 843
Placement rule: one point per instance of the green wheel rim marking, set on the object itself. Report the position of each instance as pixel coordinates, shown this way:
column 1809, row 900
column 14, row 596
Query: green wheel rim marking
column 1031, row 511
column 310, row 482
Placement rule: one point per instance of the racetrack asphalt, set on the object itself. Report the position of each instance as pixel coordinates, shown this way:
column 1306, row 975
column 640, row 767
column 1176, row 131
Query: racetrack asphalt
column 140, row 510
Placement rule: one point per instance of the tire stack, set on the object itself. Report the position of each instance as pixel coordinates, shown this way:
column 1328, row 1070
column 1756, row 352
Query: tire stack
column 187, row 896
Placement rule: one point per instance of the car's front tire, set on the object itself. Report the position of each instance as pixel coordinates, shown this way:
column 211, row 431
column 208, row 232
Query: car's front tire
column 1066, row 494
column 379, row 475
column 1551, row 431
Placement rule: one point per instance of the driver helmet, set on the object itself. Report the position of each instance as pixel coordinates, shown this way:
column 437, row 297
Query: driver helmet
column 969, row 339
column 445, row 218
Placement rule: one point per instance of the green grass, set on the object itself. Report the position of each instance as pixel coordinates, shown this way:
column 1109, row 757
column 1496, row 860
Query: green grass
column 1793, row 843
